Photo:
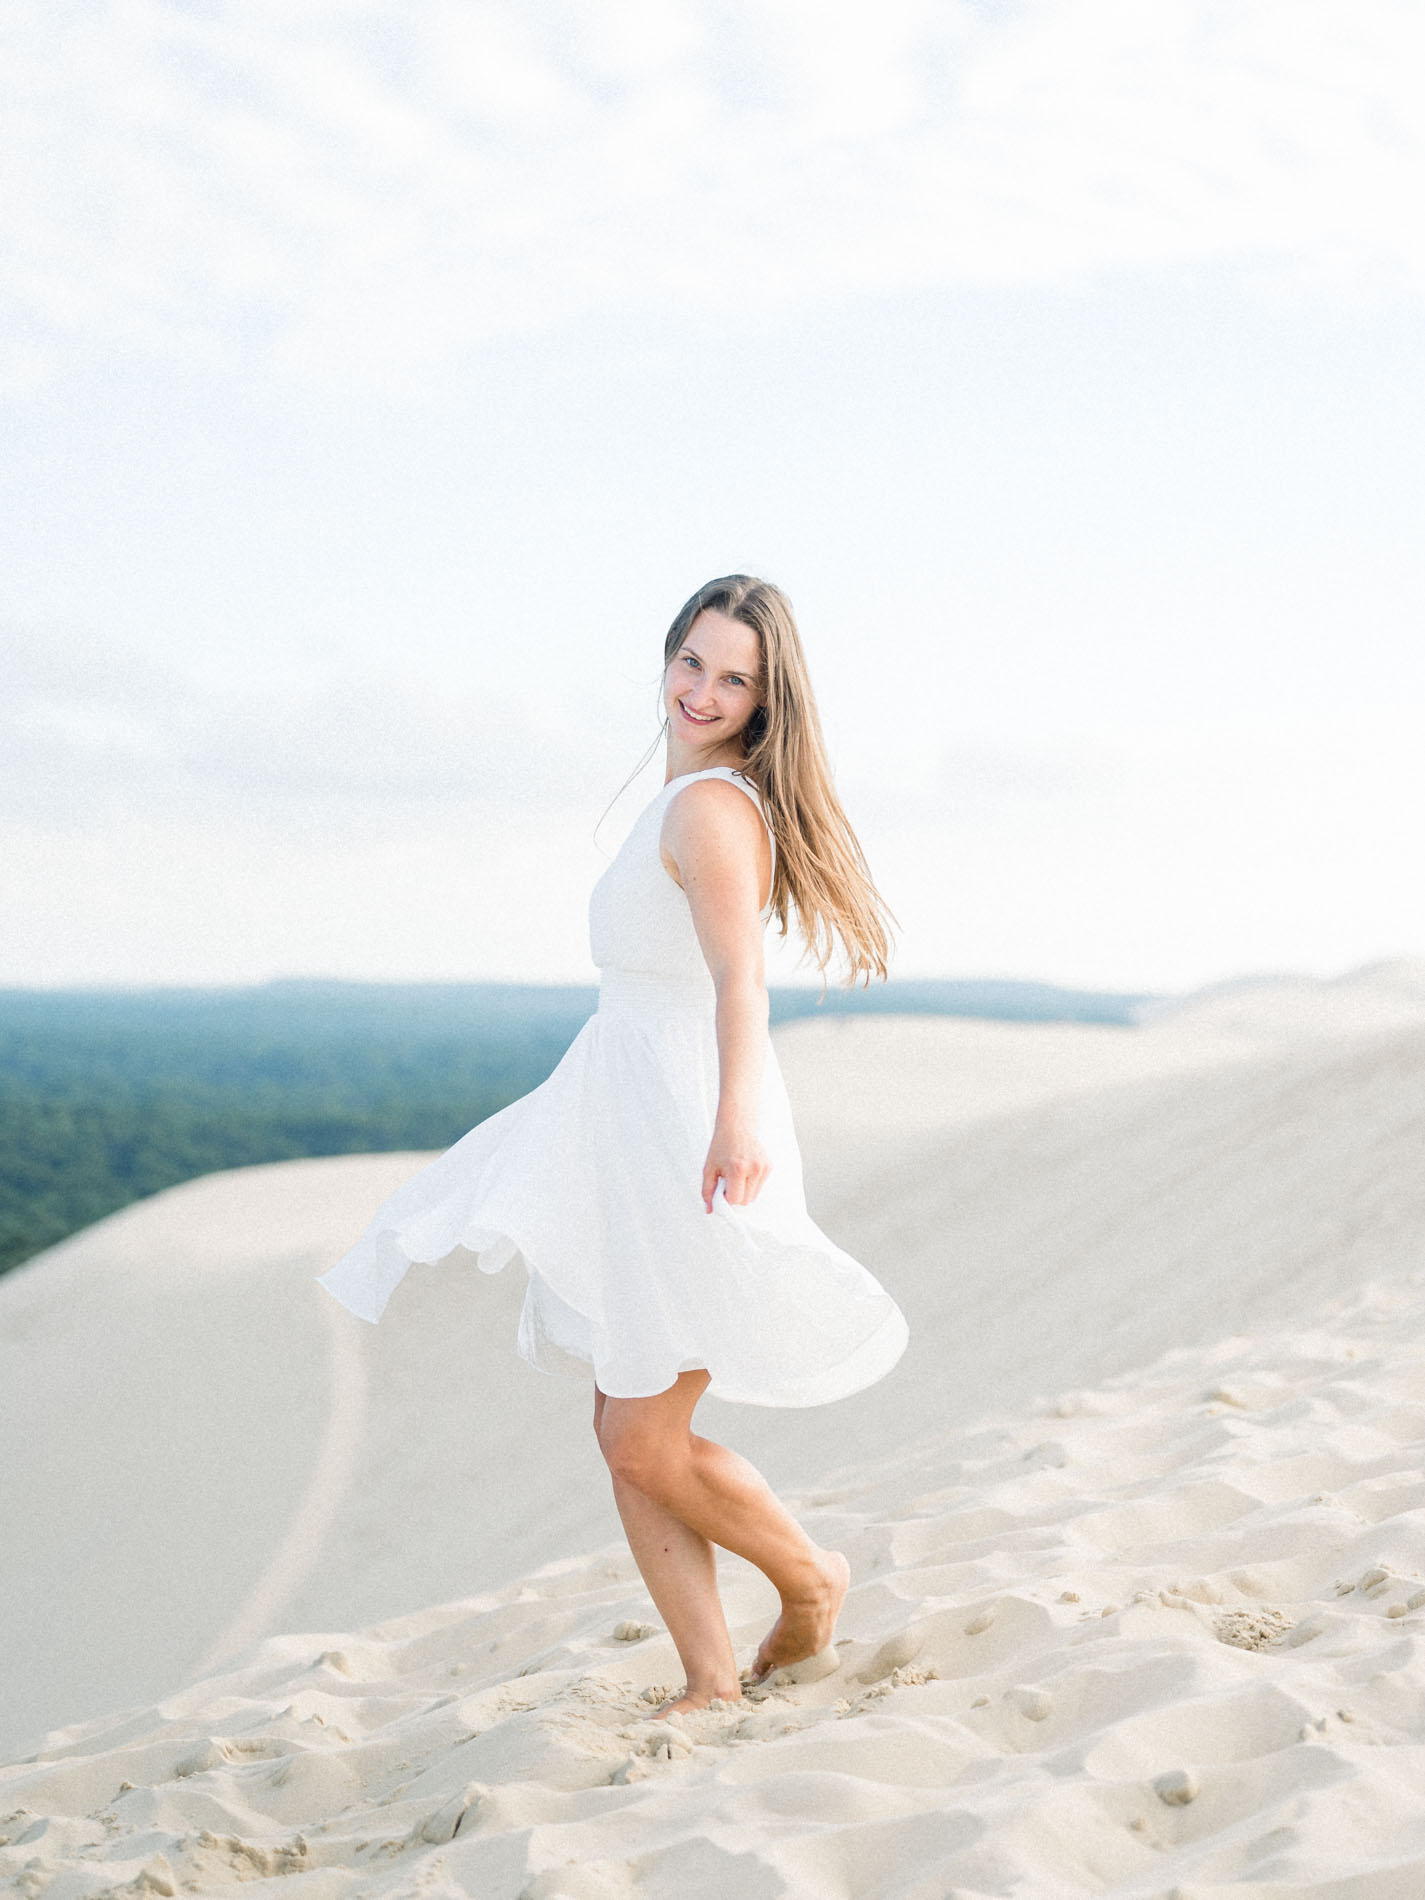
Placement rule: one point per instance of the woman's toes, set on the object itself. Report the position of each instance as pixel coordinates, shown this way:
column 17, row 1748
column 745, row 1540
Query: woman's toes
column 675, row 1709
column 692, row 1700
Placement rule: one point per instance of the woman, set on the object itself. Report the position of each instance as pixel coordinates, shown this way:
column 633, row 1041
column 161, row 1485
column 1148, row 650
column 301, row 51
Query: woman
column 652, row 1186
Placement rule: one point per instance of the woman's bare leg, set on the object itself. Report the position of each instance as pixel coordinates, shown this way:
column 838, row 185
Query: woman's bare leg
column 680, row 1568
column 649, row 1444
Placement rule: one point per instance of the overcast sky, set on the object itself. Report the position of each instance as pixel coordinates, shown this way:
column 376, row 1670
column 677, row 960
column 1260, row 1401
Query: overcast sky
column 379, row 378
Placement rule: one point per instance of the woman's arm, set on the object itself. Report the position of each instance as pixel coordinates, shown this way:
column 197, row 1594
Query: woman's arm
column 715, row 844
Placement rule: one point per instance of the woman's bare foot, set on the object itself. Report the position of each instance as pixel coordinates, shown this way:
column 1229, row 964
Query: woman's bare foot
column 692, row 1699
column 806, row 1624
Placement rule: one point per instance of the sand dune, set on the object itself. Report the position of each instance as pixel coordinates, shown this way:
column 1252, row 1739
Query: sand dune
column 1385, row 995
column 206, row 1452
column 234, row 1455
column 1096, row 1231
column 1163, row 1638
column 169, row 1390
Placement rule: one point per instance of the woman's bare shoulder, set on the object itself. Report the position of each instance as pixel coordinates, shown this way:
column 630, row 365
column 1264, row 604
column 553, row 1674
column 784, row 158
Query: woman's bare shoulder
column 711, row 807
column 710, row 823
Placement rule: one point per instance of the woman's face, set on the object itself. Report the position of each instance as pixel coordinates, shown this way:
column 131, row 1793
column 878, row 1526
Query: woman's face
column 713, row 684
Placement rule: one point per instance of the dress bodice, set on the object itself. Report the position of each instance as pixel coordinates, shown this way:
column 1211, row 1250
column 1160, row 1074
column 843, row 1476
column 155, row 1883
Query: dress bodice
column 639, row 917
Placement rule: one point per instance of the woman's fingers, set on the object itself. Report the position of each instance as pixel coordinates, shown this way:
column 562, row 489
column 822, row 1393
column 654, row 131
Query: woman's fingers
column 744, row 1181
column 742, row 1177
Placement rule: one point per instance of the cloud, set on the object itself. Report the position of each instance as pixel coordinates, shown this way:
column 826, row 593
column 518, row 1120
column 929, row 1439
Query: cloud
column 92, row 734
column 375, row 186
column 158, row 826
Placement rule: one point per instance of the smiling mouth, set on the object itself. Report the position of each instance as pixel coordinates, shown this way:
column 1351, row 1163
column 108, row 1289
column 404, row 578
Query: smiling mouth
column 695, row 718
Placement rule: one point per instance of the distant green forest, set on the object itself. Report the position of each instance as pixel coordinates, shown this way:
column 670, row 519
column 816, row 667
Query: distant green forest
column 108, row 1096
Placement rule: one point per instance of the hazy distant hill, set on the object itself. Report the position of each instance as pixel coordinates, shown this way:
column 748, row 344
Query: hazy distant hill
column 995, row 999
column 110, row 1095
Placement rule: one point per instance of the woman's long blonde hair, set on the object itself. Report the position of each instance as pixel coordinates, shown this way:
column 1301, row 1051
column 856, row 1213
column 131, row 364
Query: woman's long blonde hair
column 821, row 871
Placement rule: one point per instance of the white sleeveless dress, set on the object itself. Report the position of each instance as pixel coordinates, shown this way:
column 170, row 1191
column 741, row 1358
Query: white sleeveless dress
column 594, row 1181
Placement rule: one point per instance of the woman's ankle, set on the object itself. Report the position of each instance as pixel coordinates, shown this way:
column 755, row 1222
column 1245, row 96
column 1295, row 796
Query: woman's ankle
column 810, row 1579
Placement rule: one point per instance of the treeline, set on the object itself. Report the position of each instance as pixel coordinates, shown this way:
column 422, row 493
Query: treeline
column 108, row 1096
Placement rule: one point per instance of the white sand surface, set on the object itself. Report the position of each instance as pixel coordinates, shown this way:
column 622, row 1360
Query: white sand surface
column 1162, row 1638
column 1386, row 995
column 176, row 1409
column 203, row 1451
column 208, row 1449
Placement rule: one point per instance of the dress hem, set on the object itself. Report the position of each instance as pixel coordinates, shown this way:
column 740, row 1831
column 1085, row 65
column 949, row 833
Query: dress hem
column 864, row 1366
column 871, row 1360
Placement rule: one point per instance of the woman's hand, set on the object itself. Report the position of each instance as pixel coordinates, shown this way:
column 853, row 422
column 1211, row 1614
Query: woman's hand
column 738, row 1158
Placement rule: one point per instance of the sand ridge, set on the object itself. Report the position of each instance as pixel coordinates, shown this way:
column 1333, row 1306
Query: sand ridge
column 1166, row 1635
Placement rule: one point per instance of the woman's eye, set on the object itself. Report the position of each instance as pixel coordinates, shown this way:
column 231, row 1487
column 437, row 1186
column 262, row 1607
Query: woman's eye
column 736, row 679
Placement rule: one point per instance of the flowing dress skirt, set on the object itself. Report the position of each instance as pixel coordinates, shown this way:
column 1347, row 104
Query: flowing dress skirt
column 593, row 1181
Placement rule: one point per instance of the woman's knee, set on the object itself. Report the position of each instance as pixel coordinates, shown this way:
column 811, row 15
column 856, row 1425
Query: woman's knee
column 634, row 1453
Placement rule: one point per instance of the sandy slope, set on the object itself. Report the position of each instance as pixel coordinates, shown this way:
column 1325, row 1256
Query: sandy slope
column 1164, row 1638
column 205, row 1450
column 208, row 1450
column 1385, row 995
